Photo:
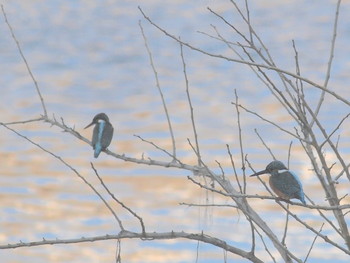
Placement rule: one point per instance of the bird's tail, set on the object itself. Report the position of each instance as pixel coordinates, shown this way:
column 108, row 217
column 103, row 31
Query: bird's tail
column 97, row 151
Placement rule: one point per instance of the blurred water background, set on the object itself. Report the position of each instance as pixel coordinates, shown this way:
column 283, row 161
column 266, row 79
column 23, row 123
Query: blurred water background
column 89, row 57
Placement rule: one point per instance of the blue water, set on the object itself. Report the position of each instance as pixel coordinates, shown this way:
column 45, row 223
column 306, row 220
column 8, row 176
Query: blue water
column 89, row 57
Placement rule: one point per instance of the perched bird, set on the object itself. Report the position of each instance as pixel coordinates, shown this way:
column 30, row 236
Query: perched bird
column 283, row 182
column 103, row 133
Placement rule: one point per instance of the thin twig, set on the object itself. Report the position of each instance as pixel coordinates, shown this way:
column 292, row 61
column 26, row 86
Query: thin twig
column 230, row 25
column 25, row 61
column 72, row 169
column 159, row 148
column 240, row 142
column 265, row 246
column 234, row 168
column 190, row 105
column 209, row 205
column 334, row 130
column 298, row 83
column 24, row 122
column 265, row 145
column 118, row 253
column 285, row 228
column 222, row 170
column 314, row 84
column 329, row 221
column 197, row 251
column 117, row 200
column 313, row 243
column 252, row 230
column 289, row 153
column 273, row 123
column 249, row 22
column 341, row 173
column 324, row 237
column 252, row 32
column 330, row 60
column 159, row 89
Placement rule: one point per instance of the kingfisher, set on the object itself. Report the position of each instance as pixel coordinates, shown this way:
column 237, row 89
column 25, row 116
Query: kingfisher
column 283, row 182
column 103, row 133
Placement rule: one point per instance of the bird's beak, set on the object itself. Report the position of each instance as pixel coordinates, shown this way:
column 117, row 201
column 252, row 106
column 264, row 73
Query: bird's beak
column 92, row 123
column 258, row 173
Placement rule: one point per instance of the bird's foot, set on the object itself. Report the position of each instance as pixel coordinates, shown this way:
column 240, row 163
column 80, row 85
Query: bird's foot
column 284, row 200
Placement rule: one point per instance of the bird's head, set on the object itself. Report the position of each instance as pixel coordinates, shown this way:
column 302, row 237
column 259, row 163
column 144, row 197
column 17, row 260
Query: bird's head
column 271, row 167
column 99, row 117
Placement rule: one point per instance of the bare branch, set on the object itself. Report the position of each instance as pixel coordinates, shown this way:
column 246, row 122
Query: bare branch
column 334, row 130
column 118, row 252
column 312, row 245
column 159, row 89
column 265, row 246
column 248, row 20
column 207, row 205
column 272, row 123
column 143, row 236
column 285, row 227
column 240, row 143
column 190, row 105
column 265, row 145
column 72, row 169
column 329, row 67
column 24, row 121
column 238, row 195
column 337, row 96
column 325, row 238
column 234, row 168
column 117, row 200
column 25, row 61
column 222, row 170
column 159, row 148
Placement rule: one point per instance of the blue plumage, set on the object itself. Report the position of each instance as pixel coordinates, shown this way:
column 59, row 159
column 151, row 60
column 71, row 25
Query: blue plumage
column 102, row 134
column 283, row 182
column 97, row 145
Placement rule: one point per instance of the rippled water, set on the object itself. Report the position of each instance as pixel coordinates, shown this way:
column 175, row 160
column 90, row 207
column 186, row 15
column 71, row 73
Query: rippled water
column 89, row 57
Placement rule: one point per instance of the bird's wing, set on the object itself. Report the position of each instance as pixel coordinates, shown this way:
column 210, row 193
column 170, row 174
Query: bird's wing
column 107, row 135
column 287, row 183
column 95, row 136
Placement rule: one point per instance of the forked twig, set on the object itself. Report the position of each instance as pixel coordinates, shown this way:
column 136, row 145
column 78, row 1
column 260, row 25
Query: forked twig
column 313, row 243
column 274, row 68
column 159, row 148
column 117, row 200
